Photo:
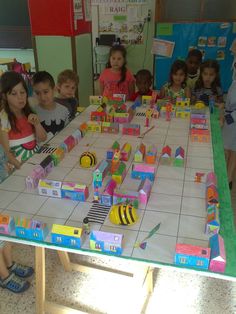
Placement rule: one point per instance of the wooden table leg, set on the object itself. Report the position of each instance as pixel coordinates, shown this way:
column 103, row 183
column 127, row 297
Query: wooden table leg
column 40, row 279
column 65, row 260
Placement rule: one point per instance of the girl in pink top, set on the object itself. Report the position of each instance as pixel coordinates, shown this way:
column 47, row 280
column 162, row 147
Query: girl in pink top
column 116, row 78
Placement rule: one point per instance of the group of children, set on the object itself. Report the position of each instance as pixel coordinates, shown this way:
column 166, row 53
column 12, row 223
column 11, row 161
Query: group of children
column 22, row 127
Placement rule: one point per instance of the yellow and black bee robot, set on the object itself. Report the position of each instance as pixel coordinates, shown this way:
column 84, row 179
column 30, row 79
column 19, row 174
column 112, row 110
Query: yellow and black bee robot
column 123, row 214
column 88, row 160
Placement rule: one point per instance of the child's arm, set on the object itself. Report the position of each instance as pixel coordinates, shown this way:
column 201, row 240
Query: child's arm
column 4, row 140
column 131, row 88
column 40, row 133
column 187, row 92
column 162, row 92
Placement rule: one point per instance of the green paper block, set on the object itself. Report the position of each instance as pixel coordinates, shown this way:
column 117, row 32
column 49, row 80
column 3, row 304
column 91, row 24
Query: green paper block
column 178, row 162
column 55, row 159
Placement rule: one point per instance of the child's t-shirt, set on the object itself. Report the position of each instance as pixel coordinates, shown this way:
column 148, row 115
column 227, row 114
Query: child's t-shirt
column 22, row 142
column 70, row 103
column 204, row 94
column 54, row 120
column 137, row 94
column 110, row 81
column 192, row 79
column 169, row 93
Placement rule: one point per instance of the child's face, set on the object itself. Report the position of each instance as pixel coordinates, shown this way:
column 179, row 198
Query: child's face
column 44, row 93
column 208, row 76
column 116, row 60
column 143, row 85
column 67, row 89
column 193, row 64
column 17, row 98
column 178, row 77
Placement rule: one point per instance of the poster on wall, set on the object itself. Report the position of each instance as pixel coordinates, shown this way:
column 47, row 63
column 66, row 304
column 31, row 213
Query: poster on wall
column 212, row 39
column 78, row 10
column 123, row 20
column 163, row 48
column 87, row 10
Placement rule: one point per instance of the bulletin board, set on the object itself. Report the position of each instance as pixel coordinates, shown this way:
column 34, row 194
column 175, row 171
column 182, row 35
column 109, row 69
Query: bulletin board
column 213, row 39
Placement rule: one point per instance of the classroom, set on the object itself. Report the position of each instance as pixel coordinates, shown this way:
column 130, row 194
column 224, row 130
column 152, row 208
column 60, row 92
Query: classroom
column 117, row 156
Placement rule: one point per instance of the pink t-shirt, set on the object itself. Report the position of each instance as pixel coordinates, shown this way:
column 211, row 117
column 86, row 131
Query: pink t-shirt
column 110, row 81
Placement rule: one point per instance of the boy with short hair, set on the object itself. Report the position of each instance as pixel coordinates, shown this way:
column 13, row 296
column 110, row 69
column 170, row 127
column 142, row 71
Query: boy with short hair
column 193, row 61
column 67, row 83
column 53, row 116
column 143, row 84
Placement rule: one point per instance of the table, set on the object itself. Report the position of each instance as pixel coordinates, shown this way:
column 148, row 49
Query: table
column 176, row 200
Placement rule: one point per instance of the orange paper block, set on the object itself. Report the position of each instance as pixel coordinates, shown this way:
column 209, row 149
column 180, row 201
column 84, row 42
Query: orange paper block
column 200, row 135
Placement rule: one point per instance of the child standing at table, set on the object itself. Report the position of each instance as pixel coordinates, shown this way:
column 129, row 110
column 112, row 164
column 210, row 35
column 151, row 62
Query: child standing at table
column 208, row 85
column 176, row 87
column 193, row 61
column 20, row 128
column 229, row 133
column 116, row 78
column 53, row 116
column 67, row 84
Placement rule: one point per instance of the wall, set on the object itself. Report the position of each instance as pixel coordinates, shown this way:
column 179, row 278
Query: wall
column 53, row 53
column 84, row 67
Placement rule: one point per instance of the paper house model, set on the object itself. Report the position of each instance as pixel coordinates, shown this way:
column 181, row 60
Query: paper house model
column 142, row 171
column 66, row 235
column 47, row 165
column 125, row 152
column 144, row 191
column 212, row 220
column 179, row 157
column 106, row 242
column 140, row 153
column 32, row 180
column 7, row 224
column 39, row 230
column 50, row 188
column 192, row 256
column 22, row 227
column 131, row 129
column 166, row 152
column 74, row 191
column 123, row 196
column 218, row 257
column 99, row 173
column 182, row 102
column 151, row 154
column 110, row 152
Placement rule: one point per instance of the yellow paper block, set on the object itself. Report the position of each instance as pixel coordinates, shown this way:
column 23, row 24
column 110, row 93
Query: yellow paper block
column 67, row 230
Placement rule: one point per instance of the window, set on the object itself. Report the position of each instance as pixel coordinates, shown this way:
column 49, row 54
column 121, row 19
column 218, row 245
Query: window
column 97, row 246
column 200, row 263
column 183, row 260
column 73, row 242
column 59, row 240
